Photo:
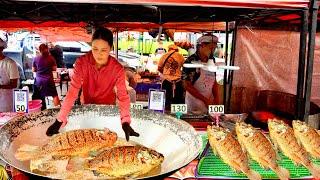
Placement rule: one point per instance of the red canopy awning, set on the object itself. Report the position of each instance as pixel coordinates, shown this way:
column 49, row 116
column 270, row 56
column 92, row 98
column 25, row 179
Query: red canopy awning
column 63, row 31
column 291, row 4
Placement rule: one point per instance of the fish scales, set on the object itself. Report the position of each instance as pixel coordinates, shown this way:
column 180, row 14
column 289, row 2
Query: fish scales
column 125, row 161
column 308, row 137
column 259, row 148
column 283, row 136
column 228, row 148
column 75, row 142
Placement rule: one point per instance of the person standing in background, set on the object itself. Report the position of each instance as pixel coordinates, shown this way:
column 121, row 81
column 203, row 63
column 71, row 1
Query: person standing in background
column 131, row 83
column 160, row 49
column 201, row 87
column 9, row 76
column 170, row 66
column 57, row 54
column 43, row 65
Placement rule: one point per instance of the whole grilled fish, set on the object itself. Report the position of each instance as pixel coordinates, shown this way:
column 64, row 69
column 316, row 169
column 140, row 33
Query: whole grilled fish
column 308, row 137
column 125, row 161
column 228, row 148
column 282, row 136
column 70, row 143
column 259, row 148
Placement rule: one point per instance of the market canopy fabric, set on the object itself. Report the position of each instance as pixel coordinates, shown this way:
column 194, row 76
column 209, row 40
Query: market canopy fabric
column 77, row 17
column 205, row 3
column 62, row 31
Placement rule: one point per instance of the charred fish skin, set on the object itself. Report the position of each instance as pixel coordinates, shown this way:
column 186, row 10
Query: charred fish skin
column 259, row 148
column 308, row 137
column 228, row 148
column 75, row 142
column 80, row 140
column 126, row 161
column 283, row 136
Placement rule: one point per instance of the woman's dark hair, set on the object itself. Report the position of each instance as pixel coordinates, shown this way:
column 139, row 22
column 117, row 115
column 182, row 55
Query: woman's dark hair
column 104, row 34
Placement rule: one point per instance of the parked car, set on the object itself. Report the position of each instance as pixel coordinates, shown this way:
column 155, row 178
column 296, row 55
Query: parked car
column 72, row 50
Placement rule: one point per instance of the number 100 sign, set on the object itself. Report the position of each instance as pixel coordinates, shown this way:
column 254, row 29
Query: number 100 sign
column 20, row 100
column 216, row 109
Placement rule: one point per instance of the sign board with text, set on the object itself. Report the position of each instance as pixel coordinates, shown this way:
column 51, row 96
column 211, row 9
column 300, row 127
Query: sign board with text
column 20, row 100
column 179, row 108
column 137, row 106
column 216, row 109
column 157, row 99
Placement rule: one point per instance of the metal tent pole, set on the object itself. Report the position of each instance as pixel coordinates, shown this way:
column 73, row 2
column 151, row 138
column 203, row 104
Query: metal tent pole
column 310, row 58
column 302, row 59
column 225, row 80
column 116, row 44
column 232, row 56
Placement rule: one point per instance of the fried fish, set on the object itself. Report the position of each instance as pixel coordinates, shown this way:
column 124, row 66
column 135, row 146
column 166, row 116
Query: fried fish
column 259, row 148
column 308, row 137
column 282, row 136
column 70, row 143
column 125, row 161
column 228, row 148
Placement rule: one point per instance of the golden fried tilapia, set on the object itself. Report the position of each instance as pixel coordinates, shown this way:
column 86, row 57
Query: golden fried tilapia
column 125, row 161
column 70, row 143
column 283, row 137
column 259, row 148
column 228, row 148
column 308, row 137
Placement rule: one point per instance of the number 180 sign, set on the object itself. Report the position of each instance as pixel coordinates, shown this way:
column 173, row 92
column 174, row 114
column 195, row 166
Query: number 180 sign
column 20, row 100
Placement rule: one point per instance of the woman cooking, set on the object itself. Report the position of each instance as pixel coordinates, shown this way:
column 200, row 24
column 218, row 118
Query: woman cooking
column 98, row 74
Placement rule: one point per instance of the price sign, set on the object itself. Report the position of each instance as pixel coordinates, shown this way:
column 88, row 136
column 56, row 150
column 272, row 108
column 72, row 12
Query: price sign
column 179, row 108
column 20, row 100
column 137, row 106
column 216, row 109
column 157, row 99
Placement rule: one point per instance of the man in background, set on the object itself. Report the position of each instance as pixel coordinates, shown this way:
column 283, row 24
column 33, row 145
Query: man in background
column 170, row 66
column 201, row 87
column 57, row 54
column 9, row 76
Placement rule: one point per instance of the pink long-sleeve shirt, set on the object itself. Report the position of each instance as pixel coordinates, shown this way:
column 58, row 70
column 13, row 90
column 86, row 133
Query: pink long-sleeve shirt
column 97, row 86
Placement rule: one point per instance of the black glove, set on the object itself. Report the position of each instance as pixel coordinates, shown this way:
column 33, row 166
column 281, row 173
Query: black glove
column 129, row 131
column 54, row 128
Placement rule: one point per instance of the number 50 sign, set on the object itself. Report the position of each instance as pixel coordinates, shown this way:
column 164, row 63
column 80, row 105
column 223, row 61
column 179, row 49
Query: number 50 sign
column 20, row 100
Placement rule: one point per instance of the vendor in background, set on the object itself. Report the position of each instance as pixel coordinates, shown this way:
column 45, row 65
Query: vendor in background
column 131, row 83
column 201, row 86
column 170, row 66
column 99, row 74
column 43, row 65
column 57, row 52
column 160, row 49
column 9, row 76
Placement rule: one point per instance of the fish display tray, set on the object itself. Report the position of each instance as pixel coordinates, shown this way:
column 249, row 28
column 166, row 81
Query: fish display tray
column 212, row 166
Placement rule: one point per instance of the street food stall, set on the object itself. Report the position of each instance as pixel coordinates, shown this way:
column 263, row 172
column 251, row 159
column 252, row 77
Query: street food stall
column 178, row 141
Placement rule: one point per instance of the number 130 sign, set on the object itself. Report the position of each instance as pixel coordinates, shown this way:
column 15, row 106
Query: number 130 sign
column 20, row 100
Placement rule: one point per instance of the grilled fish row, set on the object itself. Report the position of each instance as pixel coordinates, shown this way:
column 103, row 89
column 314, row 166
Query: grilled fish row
column 253, row 142
column 70, row 143
column 113, row 161
column 283, row 136
column 259, row 148
column 228, row 148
